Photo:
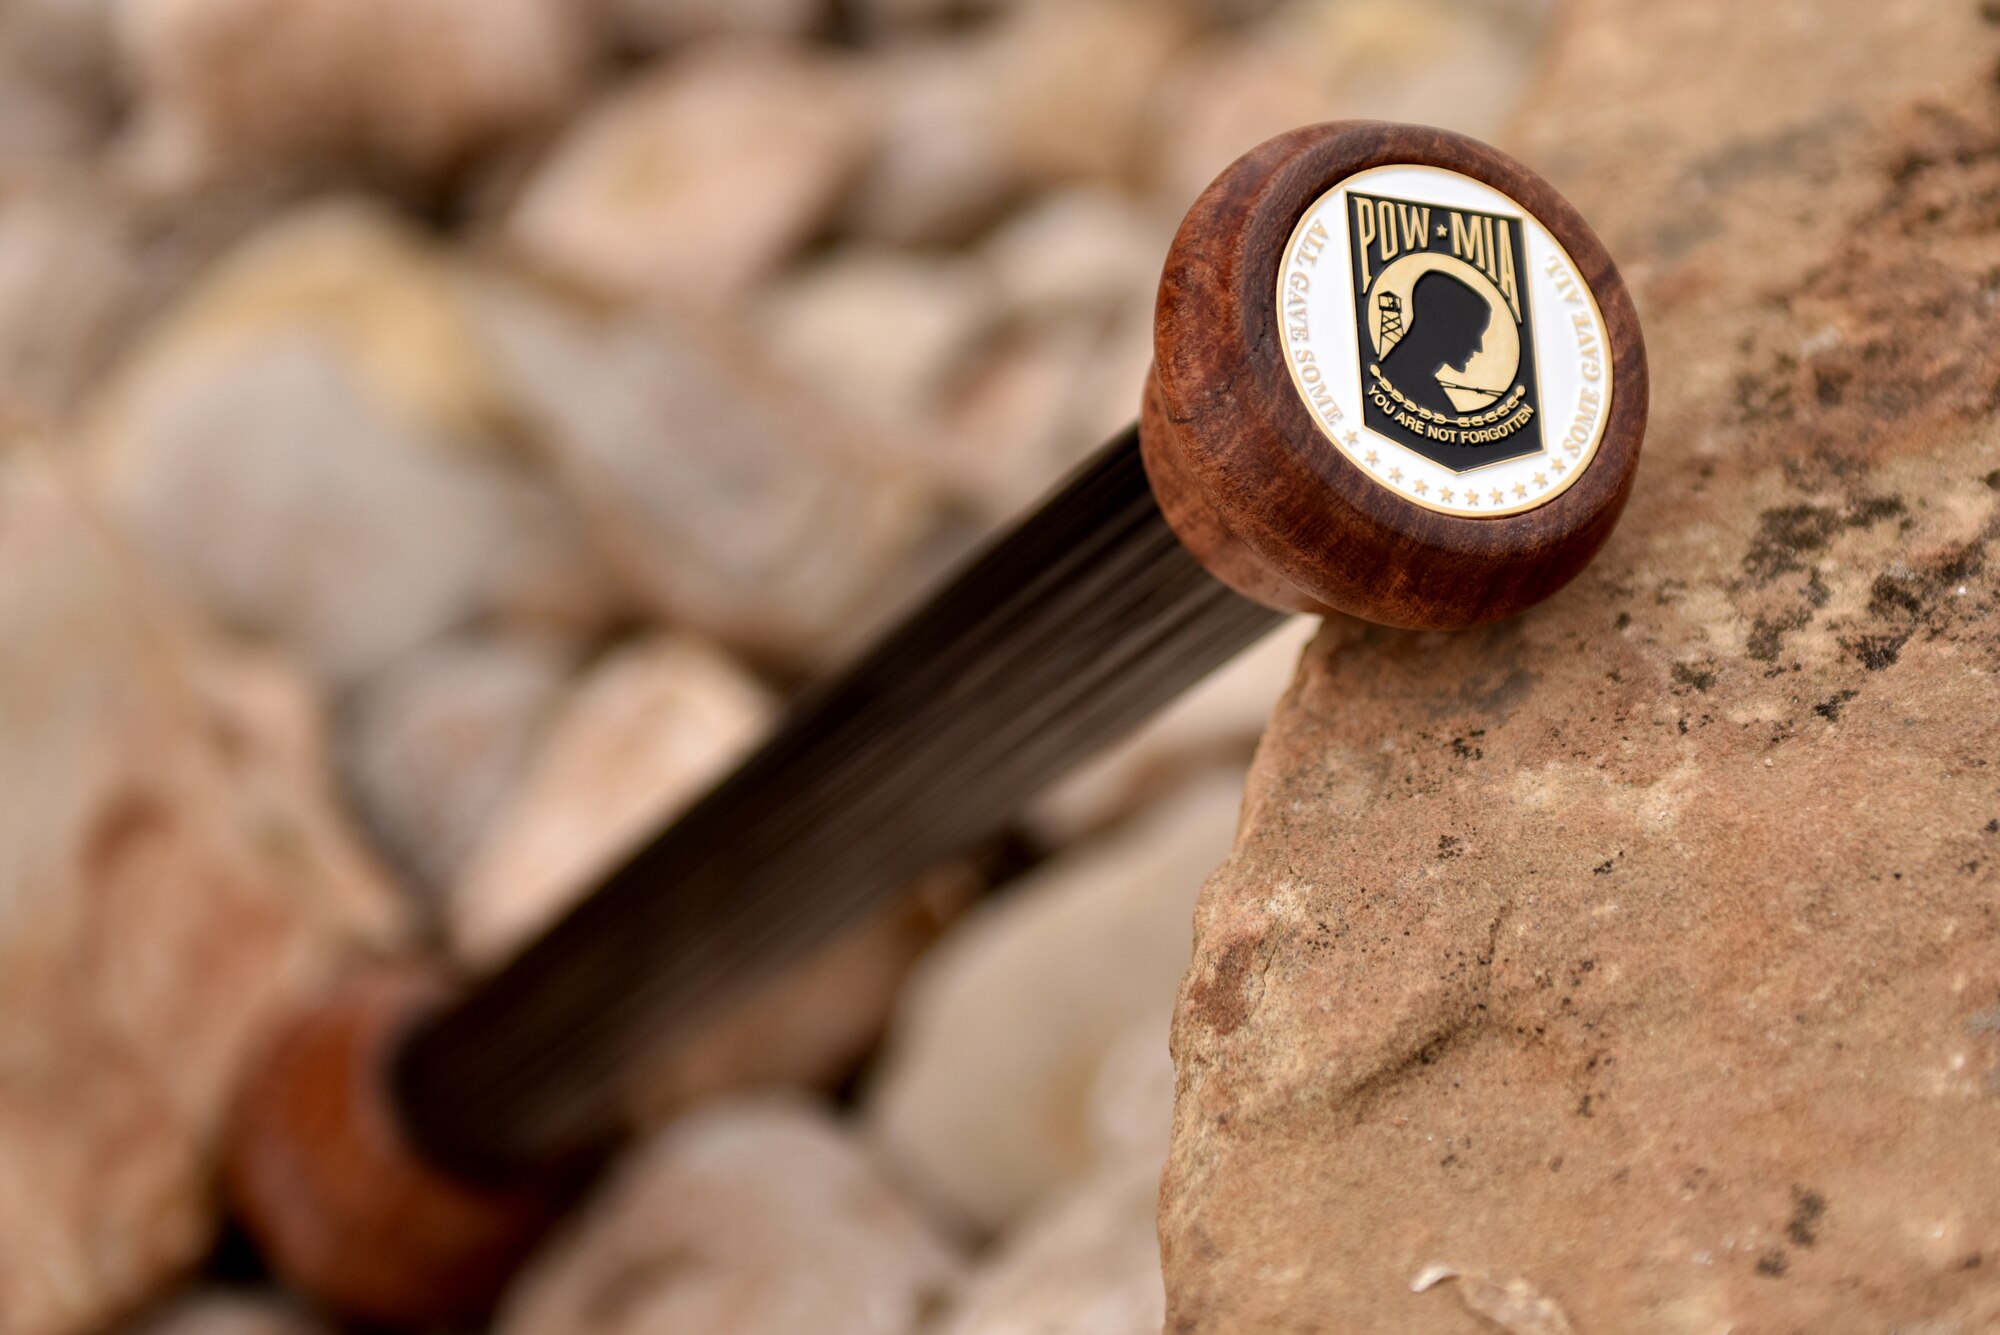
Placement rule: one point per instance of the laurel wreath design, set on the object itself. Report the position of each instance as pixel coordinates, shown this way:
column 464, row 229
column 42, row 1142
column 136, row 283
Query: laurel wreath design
column 1493, row 414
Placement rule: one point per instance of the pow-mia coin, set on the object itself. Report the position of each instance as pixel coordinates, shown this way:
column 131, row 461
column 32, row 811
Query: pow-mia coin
column 1443, row 341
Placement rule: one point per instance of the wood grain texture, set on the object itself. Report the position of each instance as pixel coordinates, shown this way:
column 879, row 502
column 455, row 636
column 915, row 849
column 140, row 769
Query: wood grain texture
column 320, row 1171
column 1246, row 441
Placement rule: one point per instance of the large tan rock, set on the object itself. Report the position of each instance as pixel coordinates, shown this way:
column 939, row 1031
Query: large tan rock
column 173, row 878
column 760, row 1217
column 1635, row 965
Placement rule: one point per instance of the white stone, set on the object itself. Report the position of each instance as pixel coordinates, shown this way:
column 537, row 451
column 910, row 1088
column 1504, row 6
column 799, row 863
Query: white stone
column 745, row 1218
column 230, row 1314
column 729, row 502
column 312, row 448
column 644, row 734
column 408, row 87
column 984, row 1096
column 693, row 182
column 432, row 745
column 1087, row 1264
column 881, row 333
column 173, row 880
column 1086, row 249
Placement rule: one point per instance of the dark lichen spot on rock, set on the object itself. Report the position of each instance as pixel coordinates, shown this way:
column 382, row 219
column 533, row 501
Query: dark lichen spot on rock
column 1773, row 1264
column 1808, row 1209
column 1625, row 618
column 1449, row 846
column 1993, row 479
column 1876, row 652
column 1829, row 709
column 1603, row 868
column 1698, row 676
column 1891, row 594
column 1993, row 826
column 1767, row 634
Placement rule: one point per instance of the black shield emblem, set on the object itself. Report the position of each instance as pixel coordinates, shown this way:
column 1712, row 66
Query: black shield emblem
column 1445, row 336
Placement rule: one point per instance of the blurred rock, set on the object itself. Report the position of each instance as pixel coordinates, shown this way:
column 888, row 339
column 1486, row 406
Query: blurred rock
column 69, row 280
column 881, row 333
column 407, row 88
column 1131, row 1108
column 1087, row 1264
column 648, row 25
column 1080, row 250
column 745, row 1218
column 173, row 878
column 1215, row 725
column 433, row 744
column 312, row 447
column 643, row 734
column 1636, row 962
column 230, row 1314
column 1010, row 430
column 58, row 100
column 1460, row 64
column 1050, row 92
column 694, row 181
column 727, row 500
column 983, row 1098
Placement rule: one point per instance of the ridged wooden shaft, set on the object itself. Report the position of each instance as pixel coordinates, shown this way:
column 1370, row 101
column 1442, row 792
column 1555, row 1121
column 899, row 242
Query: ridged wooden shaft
column 1067, row 633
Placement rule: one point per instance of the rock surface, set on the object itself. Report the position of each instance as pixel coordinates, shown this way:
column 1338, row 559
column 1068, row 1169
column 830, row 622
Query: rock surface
column 984, row 1100
column 173, row 878
column 1637, row 961
column 762, row 1218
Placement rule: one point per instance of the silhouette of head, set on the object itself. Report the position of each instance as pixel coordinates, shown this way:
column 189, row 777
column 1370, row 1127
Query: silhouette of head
column 1448, row 322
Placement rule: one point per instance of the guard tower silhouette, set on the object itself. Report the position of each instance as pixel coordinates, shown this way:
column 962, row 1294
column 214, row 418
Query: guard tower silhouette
column 1392, row 319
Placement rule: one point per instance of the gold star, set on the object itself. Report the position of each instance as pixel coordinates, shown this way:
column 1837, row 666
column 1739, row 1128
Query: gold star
column 1556, row 466
column 1395, row 475
column 1498, row 495
column 1472, row 498
column 1352, row 439
column 1373, row 458
column 1444, row 493
column 1421, row 488
column 1519, row 491
column 1541, row 479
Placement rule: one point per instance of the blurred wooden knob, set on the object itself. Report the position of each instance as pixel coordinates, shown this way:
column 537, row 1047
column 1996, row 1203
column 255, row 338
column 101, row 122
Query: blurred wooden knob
column 1395, row 375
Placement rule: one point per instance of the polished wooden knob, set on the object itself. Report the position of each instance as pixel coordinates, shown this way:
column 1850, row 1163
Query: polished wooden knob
column 1396, row 375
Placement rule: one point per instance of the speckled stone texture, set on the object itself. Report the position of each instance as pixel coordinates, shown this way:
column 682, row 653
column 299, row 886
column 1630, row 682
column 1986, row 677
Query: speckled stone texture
column 1637, row 962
